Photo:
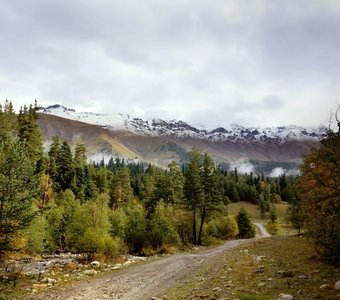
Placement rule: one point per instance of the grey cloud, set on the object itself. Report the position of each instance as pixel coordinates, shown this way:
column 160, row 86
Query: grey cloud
column 206, row 62
column 272, row 102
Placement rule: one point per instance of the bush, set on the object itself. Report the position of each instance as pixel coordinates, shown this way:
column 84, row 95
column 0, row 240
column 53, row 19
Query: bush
column 135, row 231
column 37, row 235
column 245, row 227
column 161, row 227
column 274, row 227
column 222, row 228
column 112, row 247
column 119, row 222
column 231, row 228
column 273, row 223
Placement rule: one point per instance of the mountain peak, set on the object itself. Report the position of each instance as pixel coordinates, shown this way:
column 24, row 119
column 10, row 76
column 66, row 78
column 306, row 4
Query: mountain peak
column 182, row 129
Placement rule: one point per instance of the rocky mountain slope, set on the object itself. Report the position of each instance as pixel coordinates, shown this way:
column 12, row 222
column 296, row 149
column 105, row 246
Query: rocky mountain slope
column 158, row 127
column 160, row 141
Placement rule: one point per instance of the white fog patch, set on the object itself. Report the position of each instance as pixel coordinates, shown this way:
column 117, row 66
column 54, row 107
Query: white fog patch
column 98, row 157
column 276, row 172
column 243, row 166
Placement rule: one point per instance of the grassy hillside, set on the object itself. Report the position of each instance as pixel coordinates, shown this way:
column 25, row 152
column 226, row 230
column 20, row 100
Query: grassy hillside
column 262, row 270
column 254, row 210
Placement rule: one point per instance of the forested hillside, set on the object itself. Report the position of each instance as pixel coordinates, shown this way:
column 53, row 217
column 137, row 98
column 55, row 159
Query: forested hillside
column 59, row 201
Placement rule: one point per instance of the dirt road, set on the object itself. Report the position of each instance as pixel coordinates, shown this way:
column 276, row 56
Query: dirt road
column 138, row 282
column 263, row 231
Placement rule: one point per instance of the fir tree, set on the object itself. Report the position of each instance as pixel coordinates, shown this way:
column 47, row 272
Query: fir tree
column 29, row 132
column 65, row 167
column 193, row 189
column 18, row 186
column 211, row 194
column 245, row 227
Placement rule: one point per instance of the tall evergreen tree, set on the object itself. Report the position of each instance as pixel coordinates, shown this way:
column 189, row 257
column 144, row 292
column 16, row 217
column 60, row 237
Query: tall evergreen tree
column 18, row 186
column 65, row 167
column 245, row 227
column 52, row 168
column 120, row 189
column 8, row 121
column 79, row 171
column 211, row 194
column 175, row 183
column 193, row 189
column 30, row 133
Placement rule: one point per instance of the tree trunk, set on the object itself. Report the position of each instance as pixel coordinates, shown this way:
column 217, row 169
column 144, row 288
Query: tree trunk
column 201, row 226
column 194, row 235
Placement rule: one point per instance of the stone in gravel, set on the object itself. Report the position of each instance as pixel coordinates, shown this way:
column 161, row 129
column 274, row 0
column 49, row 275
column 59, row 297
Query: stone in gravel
column 337, row 286
column 324, row 286
column 285, row 297
column 90, row 272
column 49, row 281
column 95, row 263
column 261, row 284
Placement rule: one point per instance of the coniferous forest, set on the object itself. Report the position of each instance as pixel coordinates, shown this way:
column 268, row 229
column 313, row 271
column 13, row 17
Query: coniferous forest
column 56, row 200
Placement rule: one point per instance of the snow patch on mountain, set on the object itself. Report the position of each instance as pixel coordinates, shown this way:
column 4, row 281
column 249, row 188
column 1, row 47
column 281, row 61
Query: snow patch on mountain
column 158, row 127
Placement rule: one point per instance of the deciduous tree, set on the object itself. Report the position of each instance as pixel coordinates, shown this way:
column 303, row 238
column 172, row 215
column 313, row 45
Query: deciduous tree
column 319, row 186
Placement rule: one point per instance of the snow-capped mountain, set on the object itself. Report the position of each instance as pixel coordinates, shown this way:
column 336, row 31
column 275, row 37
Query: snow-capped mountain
column 179, row 129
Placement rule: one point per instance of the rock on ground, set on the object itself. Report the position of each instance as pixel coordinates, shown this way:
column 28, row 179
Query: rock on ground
column 285, row 297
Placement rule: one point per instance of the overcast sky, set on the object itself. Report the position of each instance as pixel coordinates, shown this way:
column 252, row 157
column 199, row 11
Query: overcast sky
column 211, row 62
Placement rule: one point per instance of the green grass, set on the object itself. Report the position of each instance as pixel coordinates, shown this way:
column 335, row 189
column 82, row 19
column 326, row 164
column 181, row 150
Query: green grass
column 254, row 210
column 262, row 270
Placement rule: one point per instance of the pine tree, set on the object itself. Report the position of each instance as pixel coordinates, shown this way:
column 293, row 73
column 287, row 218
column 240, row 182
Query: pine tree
column 120, row 188
column 30, row 133
column 175, row 184
column 193, row 189
column 18, row 186
column 65, row 167
column 211, row 194
column 52, row 168
column 245, row 227
column 8, row 121
column 79, row 171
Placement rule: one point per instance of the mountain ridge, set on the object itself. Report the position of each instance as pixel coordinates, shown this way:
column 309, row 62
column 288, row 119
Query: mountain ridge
column 181, row 129
column 160, row 142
